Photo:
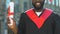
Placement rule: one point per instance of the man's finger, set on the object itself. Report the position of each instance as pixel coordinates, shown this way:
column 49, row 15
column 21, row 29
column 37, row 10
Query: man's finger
column 13, row 20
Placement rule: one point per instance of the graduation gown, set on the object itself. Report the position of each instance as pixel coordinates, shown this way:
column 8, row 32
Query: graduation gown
column 29, row 25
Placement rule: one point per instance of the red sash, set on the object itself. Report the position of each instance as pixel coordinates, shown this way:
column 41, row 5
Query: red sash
column 39, row 21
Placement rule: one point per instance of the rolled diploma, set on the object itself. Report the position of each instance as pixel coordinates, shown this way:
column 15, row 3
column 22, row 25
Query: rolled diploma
column 11, row 12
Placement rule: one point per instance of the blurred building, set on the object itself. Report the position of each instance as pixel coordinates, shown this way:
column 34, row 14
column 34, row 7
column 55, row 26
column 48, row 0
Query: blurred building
column 2, row 12
column 21, row 6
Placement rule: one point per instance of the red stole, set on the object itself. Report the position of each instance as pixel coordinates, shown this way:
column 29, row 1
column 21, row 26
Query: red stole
column 39, row 21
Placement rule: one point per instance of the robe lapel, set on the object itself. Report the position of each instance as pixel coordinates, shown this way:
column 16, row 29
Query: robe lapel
column 39, row 21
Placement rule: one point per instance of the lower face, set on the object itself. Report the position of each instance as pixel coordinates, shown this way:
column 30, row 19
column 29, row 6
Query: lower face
column 38, row 5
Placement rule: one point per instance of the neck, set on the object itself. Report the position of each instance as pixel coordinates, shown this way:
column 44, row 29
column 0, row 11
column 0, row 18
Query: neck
column 38, row 10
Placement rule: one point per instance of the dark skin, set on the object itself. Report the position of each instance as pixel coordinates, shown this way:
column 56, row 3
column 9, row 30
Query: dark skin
column 12, row 27
column 38, row 6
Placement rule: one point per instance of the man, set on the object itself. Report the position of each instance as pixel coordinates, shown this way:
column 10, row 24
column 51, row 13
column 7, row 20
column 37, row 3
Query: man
column 37, row 21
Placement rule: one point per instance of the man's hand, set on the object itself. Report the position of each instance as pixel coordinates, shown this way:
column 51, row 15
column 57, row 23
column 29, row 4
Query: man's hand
column 12, row 25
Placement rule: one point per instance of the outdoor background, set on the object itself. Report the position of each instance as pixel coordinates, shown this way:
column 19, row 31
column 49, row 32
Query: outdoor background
column 21, row 6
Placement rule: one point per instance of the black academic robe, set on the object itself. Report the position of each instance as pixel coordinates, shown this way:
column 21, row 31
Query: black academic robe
column 50, row 26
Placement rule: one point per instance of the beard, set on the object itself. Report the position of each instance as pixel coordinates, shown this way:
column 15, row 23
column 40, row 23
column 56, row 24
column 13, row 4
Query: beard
column 40, row 6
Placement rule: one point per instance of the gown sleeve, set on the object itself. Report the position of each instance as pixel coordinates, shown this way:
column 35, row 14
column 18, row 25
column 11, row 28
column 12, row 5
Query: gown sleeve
column 57, row 24
column 21, row 25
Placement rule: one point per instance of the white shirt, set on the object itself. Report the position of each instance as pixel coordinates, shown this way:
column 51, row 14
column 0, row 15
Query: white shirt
column 38, row 13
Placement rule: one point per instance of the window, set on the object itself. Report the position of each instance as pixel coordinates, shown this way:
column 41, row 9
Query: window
column 52, row 2
column 56, row 2
column 59, row 3
column 45, row 1
column 49, row 2
column 25, row 6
